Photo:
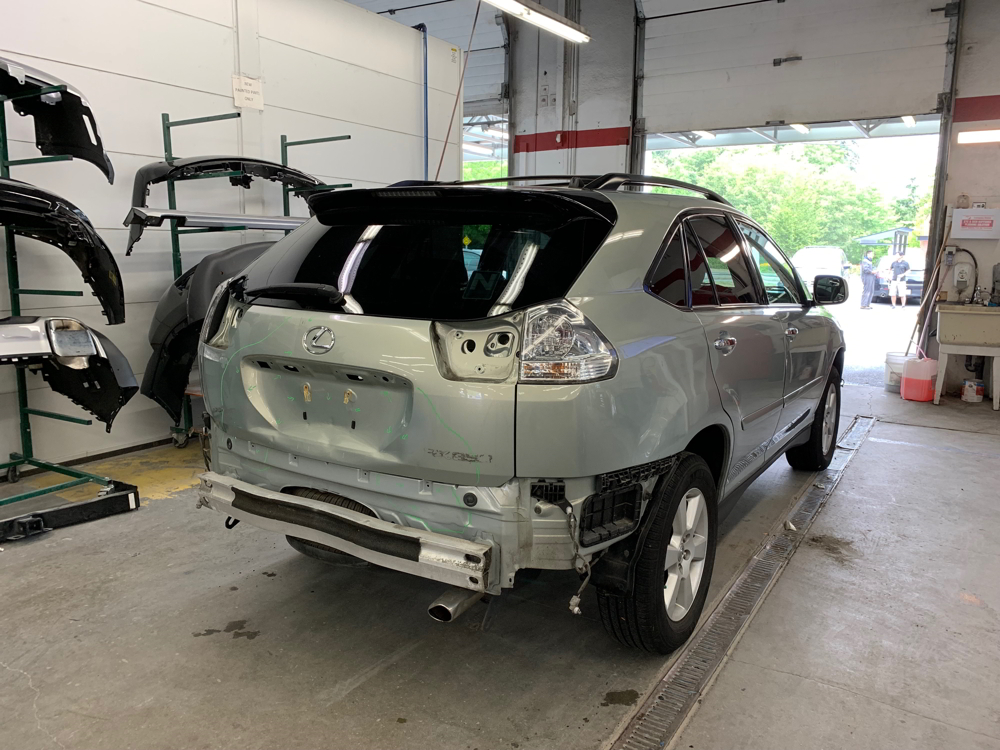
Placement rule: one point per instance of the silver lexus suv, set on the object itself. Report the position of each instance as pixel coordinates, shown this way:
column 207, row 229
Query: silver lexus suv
column 460, row 382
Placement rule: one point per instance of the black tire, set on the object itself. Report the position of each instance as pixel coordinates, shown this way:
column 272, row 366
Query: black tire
column 810, row 456
column 640, row 620
column 319, row 551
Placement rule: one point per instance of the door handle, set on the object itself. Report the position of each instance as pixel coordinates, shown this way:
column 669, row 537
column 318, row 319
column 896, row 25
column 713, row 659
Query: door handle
column 725, row 343
column 791, row 332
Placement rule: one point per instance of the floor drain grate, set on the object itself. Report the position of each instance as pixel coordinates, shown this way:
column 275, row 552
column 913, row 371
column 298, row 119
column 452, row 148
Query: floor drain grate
column 661, row 716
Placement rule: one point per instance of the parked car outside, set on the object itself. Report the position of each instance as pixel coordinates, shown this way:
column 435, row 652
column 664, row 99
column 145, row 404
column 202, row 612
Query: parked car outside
column 614, row 372
column 821, row 260
column 914, row 277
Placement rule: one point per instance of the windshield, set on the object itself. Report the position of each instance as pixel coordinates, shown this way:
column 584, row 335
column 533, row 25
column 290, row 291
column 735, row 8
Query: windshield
column 437, row 265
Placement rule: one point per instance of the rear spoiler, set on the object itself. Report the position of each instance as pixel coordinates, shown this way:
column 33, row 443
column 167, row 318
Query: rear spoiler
column 139, row 218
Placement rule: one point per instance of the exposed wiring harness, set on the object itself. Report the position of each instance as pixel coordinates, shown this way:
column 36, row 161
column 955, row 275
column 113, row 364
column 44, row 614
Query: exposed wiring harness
column 580, row 564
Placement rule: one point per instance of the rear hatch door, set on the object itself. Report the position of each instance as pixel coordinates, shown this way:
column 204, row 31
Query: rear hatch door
column 415, row 372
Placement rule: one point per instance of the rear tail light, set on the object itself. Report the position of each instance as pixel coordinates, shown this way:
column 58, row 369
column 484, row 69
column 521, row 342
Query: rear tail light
column 561, row 346
column 220, row 318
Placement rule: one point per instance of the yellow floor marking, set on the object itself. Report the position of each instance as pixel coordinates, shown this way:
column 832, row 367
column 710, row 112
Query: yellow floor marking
column 157, row 472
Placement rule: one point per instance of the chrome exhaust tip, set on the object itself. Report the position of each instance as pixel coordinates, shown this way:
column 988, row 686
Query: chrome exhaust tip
column 452, row 603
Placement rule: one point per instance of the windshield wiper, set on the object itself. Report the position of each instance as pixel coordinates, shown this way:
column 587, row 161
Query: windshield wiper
column 296, row 290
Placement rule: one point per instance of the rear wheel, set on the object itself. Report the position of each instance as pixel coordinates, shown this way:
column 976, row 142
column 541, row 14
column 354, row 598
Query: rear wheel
column 319, row 551
column 675, row 564
column 817, row 454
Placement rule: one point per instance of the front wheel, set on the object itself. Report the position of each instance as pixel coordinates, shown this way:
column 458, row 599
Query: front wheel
column 817, row 454
column 675, row 564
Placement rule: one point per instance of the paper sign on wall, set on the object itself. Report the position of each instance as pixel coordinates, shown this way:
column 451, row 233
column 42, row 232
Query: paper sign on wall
column 247, row 93
column 975, row 224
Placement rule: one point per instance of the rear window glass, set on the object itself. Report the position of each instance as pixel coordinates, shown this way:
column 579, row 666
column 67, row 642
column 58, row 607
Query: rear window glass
column 436, row 266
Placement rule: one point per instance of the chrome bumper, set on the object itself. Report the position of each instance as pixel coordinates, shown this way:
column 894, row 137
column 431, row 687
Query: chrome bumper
column 439, row 557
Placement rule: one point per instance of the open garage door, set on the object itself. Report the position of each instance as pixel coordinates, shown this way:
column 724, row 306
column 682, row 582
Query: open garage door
column 752, row 64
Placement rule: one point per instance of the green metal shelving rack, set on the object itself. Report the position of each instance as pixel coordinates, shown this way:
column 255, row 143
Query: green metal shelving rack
column 287, row 144
column 115, row 496
column 182, row 433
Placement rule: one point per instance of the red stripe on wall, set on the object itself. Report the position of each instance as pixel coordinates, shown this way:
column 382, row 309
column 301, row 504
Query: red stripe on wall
column 972, row 108
column 559, row 139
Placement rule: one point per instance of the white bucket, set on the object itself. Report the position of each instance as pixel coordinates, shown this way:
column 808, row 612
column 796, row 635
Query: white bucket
column 894, row 362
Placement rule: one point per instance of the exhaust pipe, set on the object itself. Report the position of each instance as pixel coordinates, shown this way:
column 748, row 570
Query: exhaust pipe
column 453, row 603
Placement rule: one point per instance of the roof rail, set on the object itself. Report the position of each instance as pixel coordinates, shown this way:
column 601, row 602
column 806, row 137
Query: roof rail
column 570, row 180
column 614, row 180
column 610, row 181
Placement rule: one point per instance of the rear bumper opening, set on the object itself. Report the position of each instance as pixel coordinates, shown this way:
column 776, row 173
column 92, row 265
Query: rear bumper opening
column 438, row 557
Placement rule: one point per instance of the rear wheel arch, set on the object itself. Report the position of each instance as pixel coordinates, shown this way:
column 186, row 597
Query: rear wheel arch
column 712, row 444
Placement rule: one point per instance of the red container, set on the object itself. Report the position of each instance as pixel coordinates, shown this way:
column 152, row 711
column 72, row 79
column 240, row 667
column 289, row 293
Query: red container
column 919, row 377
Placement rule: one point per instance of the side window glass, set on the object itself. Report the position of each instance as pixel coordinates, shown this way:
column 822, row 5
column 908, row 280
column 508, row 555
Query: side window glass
column 726, row 261
column 775, row 271
column 667, row 280
column 702, row 291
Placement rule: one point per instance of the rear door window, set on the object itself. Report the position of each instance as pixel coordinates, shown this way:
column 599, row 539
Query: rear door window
column 726, row 261
column 424, row 259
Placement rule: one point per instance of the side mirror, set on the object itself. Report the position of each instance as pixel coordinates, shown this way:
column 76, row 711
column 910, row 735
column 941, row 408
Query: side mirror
column 829, row 290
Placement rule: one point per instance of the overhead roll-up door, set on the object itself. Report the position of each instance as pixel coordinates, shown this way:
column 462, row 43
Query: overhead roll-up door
column 860, row 59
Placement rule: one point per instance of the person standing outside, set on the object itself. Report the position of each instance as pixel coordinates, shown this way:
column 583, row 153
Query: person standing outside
column 897, row 287
column 867, row 280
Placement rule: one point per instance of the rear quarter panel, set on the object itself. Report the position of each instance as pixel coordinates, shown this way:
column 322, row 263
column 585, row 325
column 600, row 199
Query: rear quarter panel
column 663, row 392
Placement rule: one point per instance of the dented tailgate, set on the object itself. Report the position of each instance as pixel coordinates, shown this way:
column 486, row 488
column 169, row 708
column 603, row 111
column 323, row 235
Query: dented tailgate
column 378, row 400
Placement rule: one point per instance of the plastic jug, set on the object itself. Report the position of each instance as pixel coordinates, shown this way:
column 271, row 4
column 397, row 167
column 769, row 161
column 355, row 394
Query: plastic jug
column 919, row 378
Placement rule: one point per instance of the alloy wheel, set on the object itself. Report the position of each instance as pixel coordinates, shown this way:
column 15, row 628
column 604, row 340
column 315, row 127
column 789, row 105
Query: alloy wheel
column 685, row 560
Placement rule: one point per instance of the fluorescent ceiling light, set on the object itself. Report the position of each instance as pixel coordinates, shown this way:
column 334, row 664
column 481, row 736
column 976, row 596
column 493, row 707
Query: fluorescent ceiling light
column 703, row 134
column 543, row 18
column 979, row 136
column 910, row 121
column 804, row 129
column 473, row 148
column 496, row 133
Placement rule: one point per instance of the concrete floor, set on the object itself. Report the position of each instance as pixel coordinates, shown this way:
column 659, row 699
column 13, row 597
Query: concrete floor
column 882, row 632
column 160, row 628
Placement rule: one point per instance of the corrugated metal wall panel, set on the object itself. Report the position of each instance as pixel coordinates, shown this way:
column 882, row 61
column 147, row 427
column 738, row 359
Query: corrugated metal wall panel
column 861, row 59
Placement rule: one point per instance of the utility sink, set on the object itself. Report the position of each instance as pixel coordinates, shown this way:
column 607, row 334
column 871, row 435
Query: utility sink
column 968, row 325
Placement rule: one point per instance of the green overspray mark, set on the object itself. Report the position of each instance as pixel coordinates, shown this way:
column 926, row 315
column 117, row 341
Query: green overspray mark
column 448, row 427
column 222, row 378
column 403, row 436
column 251, row 388
column 291, row 398
column 287, row 352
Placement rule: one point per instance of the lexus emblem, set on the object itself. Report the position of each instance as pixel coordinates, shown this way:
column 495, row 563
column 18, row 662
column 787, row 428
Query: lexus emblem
column 318, row 340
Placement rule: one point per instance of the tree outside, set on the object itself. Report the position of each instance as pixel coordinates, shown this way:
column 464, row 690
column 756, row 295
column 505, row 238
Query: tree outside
column 802, row 193
column 483, row 170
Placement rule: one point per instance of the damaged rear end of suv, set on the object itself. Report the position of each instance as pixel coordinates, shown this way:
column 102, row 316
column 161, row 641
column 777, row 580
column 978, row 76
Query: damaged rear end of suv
column 362, row 377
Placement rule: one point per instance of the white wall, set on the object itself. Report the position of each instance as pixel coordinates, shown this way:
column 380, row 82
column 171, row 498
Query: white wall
column 571, row 105
column 452, row 21
column 328, row 68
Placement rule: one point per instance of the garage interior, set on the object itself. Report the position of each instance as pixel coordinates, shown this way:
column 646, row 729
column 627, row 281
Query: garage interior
column 853, row 606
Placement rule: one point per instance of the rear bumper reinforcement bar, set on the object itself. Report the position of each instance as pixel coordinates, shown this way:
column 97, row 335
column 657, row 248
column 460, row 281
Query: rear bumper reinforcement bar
column 457, row 562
